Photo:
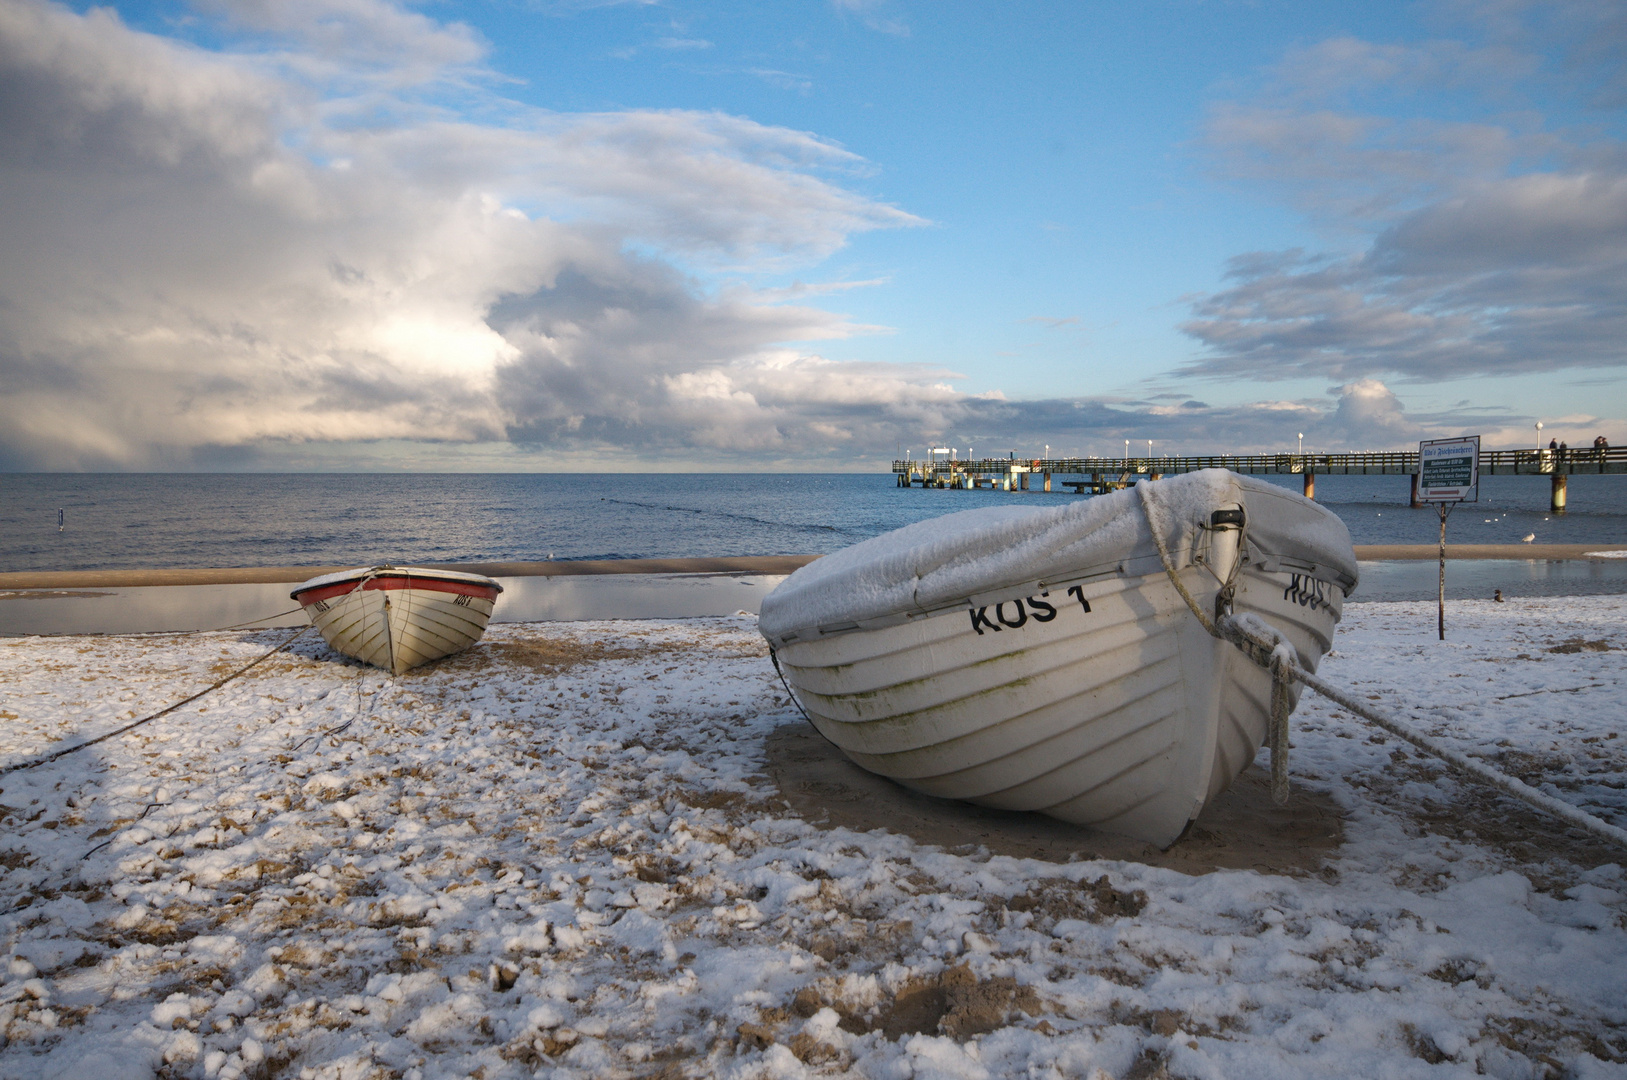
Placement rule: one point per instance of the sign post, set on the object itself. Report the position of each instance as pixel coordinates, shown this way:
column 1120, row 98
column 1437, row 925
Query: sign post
column 1448, row 474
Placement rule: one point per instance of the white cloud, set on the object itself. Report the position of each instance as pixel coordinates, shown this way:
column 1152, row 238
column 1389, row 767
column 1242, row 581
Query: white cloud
column 1491, row 243
column 784, row 80
column 199, row 260
column 873, row 13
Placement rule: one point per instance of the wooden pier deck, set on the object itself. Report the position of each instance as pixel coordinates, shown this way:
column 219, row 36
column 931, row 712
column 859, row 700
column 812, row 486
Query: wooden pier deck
column 1095, row 475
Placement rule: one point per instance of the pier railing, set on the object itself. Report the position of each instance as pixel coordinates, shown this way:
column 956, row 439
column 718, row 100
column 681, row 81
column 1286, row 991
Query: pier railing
column 1384, row 463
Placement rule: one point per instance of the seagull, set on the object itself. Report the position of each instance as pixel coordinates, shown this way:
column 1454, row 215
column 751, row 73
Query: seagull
column 1527, row 538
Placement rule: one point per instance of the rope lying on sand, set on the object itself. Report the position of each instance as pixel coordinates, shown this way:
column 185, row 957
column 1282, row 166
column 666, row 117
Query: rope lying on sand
column 1233, row 628
column 48, row 758
column 1265, row 645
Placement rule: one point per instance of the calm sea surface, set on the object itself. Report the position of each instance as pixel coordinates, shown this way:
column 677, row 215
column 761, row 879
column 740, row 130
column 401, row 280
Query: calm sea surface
column 223, row 520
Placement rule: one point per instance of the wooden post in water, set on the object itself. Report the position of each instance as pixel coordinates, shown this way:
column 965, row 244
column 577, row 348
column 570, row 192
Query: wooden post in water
column 1310, row 485
column 1415, row 501
column 1047, row 482
column 1557, row 502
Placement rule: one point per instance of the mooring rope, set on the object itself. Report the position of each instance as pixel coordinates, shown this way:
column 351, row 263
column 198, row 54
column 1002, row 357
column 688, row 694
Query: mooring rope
column 774, row 658
column 1265, row 645
column 1279, row 659
column 48, row 758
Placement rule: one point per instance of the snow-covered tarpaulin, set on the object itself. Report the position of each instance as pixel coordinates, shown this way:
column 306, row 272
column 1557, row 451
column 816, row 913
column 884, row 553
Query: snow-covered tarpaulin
column 563, row 854
column 945, row 560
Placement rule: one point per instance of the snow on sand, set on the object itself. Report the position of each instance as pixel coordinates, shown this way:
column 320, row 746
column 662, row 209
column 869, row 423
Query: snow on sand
column 560, row 855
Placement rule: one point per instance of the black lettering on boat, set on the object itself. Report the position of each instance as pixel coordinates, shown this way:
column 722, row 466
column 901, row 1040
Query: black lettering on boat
column 1078, row 593
column 1043, row 610
column 320, row 605
column 980, row 619
column 1022, row 615
column 1306, row 591
column 462, row 600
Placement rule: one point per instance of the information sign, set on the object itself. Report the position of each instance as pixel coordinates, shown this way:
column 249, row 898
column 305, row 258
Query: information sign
column 1448, row 474
column 1449, row 470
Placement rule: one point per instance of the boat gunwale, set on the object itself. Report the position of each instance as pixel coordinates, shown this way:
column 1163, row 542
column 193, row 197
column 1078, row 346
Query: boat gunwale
column 389, row 578
column 1124, row 566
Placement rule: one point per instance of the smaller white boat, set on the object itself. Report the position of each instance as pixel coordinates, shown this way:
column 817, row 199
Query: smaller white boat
column 397, row 617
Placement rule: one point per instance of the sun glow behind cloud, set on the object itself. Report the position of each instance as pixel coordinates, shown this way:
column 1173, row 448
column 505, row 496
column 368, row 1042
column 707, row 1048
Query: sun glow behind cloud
column 334, row 237
column 211, row 253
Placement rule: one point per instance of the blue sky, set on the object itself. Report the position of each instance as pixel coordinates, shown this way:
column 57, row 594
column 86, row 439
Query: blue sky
column 511, row 235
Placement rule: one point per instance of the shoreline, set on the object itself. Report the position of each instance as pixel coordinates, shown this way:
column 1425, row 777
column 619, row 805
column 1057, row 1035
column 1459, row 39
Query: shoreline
column 751, row 564
column 274, row 575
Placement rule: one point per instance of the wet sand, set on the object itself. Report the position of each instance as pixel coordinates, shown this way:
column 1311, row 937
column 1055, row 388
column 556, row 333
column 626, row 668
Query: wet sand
column 1402, row 552
column 262, row 575
column 1242, row 829
column 761, row 564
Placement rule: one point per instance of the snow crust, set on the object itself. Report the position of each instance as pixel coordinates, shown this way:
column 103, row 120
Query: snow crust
column 558, row 856
column 948, row 559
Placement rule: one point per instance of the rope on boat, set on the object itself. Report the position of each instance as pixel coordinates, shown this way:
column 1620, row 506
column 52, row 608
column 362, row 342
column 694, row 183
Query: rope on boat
column 1279, row 657
column 48, row 758
column 774, row 659
column 1265, row 645
column 251, row 622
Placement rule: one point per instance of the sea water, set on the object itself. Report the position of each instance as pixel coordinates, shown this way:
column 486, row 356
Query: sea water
column 228, row 520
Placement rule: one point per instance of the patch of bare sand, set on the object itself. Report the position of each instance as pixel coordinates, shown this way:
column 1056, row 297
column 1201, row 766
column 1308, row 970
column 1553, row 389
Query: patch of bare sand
column 1242, row 829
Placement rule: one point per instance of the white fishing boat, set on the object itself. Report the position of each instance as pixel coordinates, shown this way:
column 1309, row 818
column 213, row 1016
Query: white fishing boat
column 397, row 617
column 1043, row 659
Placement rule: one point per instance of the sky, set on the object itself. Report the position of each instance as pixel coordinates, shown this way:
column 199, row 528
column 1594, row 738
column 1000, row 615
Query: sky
column 583, row 235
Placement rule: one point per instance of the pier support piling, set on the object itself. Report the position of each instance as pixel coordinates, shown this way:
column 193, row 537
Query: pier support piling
column 1310, row 485
column 1047, row 481
column 1415, row 503
column 1557, row 502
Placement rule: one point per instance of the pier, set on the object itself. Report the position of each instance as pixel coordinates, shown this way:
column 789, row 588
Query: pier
column 1096, row 475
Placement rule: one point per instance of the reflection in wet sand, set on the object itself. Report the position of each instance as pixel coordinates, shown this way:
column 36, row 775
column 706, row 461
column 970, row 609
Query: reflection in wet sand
column 1476, row 579
column 170, row 608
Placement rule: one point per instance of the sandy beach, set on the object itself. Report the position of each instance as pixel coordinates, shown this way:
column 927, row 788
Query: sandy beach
column 614, row 849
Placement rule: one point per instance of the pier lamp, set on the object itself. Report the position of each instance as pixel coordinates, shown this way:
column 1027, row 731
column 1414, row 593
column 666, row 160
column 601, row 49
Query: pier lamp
column 1302, row 444
column 1126, row 453
column 1539, row 434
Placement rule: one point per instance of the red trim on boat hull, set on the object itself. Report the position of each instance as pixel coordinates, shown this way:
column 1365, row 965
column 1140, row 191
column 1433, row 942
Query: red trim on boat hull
column 397, row 581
